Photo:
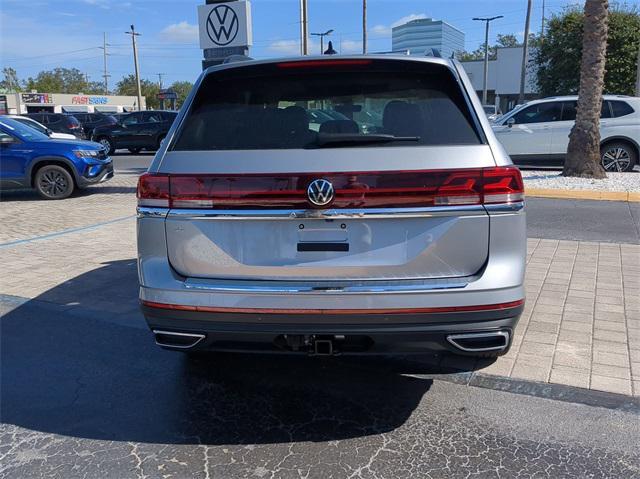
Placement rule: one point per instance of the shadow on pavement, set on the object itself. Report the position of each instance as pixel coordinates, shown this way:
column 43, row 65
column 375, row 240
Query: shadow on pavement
column 71, row 367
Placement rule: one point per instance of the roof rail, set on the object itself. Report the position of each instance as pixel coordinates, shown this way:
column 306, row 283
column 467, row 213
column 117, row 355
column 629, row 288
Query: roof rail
column 236, row 58
column 432, row 52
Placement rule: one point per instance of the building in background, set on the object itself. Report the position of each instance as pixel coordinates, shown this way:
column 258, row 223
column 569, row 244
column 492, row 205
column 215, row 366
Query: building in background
column 19, row 103
column 419, row 36
column 503, row 82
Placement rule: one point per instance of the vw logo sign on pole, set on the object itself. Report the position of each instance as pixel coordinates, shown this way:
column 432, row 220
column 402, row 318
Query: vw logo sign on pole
column 225, row 25
column 222, row 25
column 320, row 192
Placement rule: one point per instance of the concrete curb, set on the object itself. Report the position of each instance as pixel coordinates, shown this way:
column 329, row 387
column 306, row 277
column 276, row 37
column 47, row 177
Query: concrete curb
column 626, row 196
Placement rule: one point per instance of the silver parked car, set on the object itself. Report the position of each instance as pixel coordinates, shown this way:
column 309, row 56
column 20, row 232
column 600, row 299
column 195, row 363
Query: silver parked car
column 258, row 233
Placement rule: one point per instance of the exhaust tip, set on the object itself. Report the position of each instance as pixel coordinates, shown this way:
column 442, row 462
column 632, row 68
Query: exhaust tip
column 480, row 342
column 172, row 339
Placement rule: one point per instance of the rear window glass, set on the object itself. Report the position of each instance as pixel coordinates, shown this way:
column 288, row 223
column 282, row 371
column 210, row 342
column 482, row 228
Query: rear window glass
column 384, row 103
column 620, row 108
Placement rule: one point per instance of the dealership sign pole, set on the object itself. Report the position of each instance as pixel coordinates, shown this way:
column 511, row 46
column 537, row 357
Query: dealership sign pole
column 225, row 30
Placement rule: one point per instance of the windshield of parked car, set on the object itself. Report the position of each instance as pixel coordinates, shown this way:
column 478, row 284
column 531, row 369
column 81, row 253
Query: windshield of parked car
column 303, row 104
column 23, row 132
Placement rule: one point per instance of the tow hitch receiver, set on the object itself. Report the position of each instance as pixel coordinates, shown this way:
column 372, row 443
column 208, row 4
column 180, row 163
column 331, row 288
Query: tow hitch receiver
column 322, row 347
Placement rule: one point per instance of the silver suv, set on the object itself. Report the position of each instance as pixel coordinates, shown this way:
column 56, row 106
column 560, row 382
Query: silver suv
column 395, row 225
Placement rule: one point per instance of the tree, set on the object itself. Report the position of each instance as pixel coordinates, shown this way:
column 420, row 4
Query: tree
column 127, row 86
column 10, row 82
column 583, row 154
column 502, row 41
column 557, row 58
column 182, row 88
column 63, row 80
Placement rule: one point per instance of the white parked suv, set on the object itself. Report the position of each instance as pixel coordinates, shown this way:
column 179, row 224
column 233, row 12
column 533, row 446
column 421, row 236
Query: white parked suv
column 537, row 133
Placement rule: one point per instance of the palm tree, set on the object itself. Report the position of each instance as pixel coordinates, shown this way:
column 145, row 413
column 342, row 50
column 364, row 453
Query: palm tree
column 583, row 154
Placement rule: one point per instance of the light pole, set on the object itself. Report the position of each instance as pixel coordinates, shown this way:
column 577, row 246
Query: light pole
column 486, row 53
column 135, row 34
column 322, row 35
column 525, row 54
column 364, row 27
column 304, row 28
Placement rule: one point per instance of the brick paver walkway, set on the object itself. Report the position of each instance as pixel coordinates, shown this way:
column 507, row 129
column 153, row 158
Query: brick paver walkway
column 581, row 324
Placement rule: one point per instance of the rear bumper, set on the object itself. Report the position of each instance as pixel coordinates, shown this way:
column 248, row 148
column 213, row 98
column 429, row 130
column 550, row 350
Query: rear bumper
column 358, row 333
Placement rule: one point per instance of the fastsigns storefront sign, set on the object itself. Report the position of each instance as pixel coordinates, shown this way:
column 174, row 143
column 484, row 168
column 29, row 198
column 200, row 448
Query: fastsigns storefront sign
column 89, row 100
column 224, row 25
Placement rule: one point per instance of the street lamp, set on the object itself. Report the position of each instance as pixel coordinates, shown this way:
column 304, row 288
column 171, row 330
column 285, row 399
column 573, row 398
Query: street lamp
column 486, row 53
column 322, row 35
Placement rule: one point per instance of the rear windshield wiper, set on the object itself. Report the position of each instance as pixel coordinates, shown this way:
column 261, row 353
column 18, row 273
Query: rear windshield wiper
column 334, row 139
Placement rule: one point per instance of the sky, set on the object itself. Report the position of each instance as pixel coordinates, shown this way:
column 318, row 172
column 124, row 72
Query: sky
column 42, row 35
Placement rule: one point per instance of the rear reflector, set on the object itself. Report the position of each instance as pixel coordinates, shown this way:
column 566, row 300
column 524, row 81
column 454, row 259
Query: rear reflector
column 393, row 189
column 435, row 310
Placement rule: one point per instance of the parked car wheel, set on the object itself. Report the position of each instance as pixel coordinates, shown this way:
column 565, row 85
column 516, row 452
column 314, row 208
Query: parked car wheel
column 135, row 151
column 108, row 144
column 618, row 156
column 53, row 182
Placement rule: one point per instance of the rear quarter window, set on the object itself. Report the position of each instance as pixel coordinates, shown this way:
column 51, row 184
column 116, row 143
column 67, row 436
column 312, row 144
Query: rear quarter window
column 620, row 108
column 273, row 106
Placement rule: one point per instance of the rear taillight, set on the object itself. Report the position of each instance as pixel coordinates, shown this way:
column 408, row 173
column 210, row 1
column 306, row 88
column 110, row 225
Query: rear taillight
column 502, row 185
column 404, row 189
column 153, row 190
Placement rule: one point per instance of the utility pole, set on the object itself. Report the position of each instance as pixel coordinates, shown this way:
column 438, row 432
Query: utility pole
column 304, row 28
column 105, row 73
column 542, row 26
column 525, row 54
column 364, row 27
column 135, row 34
column 160, row 75
column 638, row 74
column 486, row 54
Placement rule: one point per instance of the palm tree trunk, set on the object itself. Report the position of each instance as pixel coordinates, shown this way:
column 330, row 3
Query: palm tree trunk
column 583, row 154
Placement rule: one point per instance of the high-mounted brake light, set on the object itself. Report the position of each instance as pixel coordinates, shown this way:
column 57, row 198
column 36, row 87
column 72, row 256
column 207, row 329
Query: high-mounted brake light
column 323, row 63
column 386, row 189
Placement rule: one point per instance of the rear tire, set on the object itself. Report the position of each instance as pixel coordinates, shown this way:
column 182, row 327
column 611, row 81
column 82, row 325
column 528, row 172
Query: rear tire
column 108, row 144
column 53, row 182
column 135, row 151
column 618, row 156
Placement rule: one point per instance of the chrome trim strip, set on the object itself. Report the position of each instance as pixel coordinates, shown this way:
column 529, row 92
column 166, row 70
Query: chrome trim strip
column 198, row 338
column 505, row 207
column 504, row 334
column 150, row 212
column 468, row 210
column 293, row 288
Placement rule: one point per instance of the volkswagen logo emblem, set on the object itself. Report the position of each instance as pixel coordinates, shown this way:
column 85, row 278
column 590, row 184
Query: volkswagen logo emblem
column 222, row 25
column 320, row 192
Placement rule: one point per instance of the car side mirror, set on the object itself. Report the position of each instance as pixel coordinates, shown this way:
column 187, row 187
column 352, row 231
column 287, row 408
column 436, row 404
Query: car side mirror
column 49, row 132
column 6, row 140
column 511, row 121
